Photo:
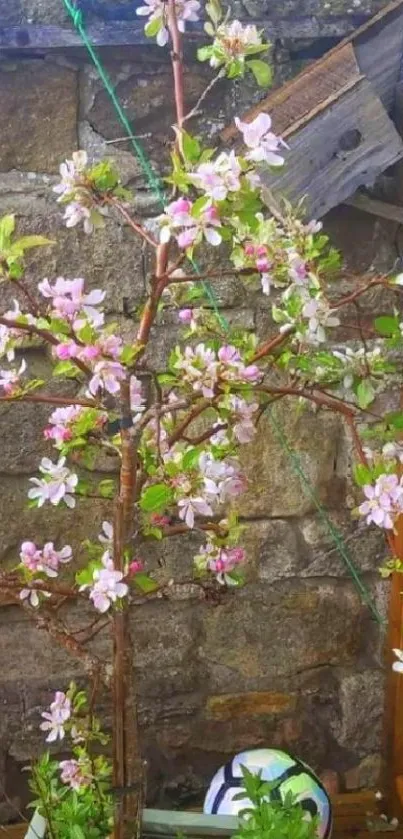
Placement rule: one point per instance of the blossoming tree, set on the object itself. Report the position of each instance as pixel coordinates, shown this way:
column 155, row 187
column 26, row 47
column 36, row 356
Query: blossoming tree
column 174, row 432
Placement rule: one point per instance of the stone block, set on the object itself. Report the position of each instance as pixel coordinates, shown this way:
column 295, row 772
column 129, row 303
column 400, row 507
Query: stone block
column 366, row 775
column 361, row 702
column 264, row 634
column 37, row 133
column 275, row 488
column 255, row 704
column 364, row 545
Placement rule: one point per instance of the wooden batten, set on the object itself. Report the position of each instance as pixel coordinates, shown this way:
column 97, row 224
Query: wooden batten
column 344, row 143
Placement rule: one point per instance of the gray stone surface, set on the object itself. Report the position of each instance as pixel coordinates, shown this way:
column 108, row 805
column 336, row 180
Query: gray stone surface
column 275, row 487
column 37, row 133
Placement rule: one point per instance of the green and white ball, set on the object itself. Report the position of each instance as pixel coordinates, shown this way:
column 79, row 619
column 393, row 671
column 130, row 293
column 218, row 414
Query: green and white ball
column 292, row 776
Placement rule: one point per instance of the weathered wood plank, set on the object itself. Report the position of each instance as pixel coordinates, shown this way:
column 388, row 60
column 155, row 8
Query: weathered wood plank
column 170, row 823
column 379, row 51
column 296, row 101
column 392, row 212
column 47, row 37
column 347, row 145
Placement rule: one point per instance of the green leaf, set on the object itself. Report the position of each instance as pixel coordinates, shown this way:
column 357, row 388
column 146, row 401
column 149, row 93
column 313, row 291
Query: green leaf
column 191, row 458
column 156, row 498
column 214, row 11
column 128, row 355
column 145, row 583
column 76, row 832
column 190, row 146
column 27, row 242
column 7, row 227
column 65, row 368
column 199, row 206
column 167, row 379
column 209, row 29
column 204, row 53
column 387, row 325
column 262, row 72
column 107, row 488
column 153, row 27
column 362, row 475
column 365, row 393
column 86, row 576
column 395, row 419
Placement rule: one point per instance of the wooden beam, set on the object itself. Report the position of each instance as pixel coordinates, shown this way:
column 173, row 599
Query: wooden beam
column 322, row 167
column 295, row 102
column 392, row 212
column 379, row 51
column 46, row 37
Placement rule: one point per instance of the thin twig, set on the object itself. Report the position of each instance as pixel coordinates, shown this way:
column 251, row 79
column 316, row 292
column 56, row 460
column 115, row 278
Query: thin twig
column 131, row 222
column 196, row 110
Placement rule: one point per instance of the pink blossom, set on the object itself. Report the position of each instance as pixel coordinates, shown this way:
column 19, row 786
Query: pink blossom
column 107, row 376
column 217, row 178
column 263, row 143
column 159, row 521
column 319, row 315
column 71, row 173
column 252, row 373
column 58, row 484
column 156, row 10
column 69, row 300
column 376, row 509
column 176, row 215
column 191, row 507
column 234, row 39
column 46, row 560
column 31, row 596
column 229, row 354
column 298, row 268
column 204, row 226
column 227, row 560
column 90, row 353
column 74, row 774
column 397, row 666
column 67, row 350
column 60, row 421
column 51, row 559
column 187, row 238
column 137, row 398
column 244, row 427
column 199, row 368
column 75, row 213
column 30, row 556
column 56, row 717
column 185, row 315
column 10, row 379
column 136, row 567
column 106, row 537
column 108, row 586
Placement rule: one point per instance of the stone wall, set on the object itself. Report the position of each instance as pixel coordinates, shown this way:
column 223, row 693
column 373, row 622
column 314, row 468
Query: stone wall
column 294, row 659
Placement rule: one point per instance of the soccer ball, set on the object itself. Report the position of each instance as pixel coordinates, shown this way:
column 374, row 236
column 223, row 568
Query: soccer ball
column 292, row 776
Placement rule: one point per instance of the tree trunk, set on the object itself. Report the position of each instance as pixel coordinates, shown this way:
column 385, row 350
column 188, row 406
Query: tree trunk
column 127, row 764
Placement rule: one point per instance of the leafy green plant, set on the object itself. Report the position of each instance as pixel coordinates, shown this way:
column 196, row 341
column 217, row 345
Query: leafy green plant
column 272, row 818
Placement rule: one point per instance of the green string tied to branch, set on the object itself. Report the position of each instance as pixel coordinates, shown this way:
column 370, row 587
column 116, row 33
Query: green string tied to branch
column 157, row 188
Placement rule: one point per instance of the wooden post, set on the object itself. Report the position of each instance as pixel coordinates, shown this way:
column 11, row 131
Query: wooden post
column 394, row 692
